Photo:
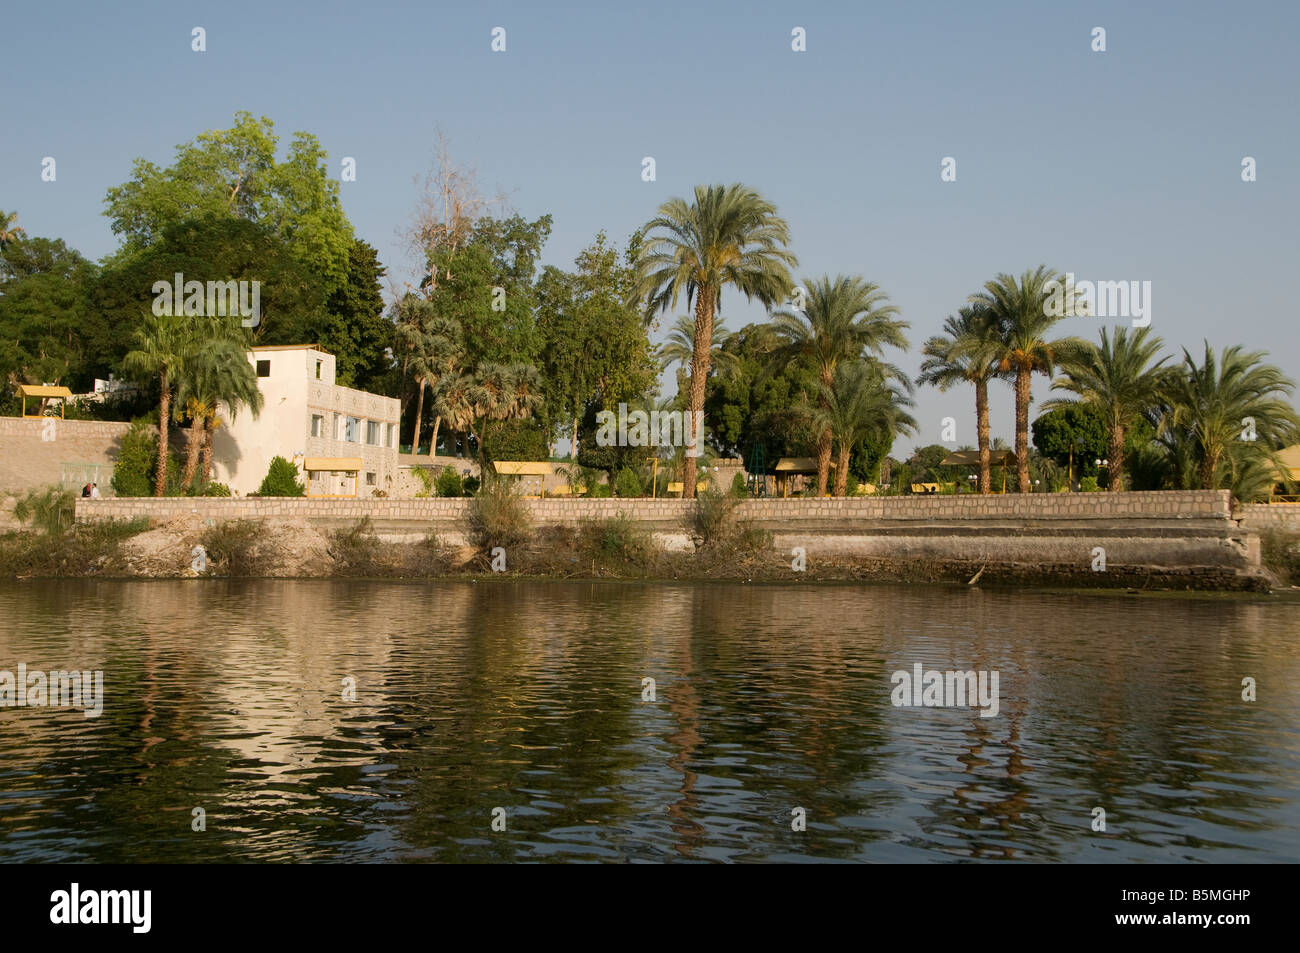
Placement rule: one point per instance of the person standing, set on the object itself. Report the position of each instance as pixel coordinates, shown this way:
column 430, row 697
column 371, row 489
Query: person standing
column 94, row 491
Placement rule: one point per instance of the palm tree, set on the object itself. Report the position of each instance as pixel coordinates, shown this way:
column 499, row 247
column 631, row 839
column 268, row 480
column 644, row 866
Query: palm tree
column 161, row 343
column 679, row 346
column 216, row 372
column 841, row 320
column 9, row 231
column 419, row 347
column 456, row 403
column 1120, row 380
column 967, row 353
column 866, row 396
column 730, row 235
column 1019, row 306
column 1226, row 403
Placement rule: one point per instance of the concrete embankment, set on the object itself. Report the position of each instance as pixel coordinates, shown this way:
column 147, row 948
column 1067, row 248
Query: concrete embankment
column 1145, row 539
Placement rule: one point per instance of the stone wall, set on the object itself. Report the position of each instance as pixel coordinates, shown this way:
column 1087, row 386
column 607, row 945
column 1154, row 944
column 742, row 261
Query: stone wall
column 27, row 461
column 1266, row 516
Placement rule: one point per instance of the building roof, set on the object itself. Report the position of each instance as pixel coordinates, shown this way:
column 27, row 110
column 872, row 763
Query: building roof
column 971, row 458
column 802, row 465
column 289, row 347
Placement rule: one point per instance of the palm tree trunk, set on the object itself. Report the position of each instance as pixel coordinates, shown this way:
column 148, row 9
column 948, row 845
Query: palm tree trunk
column 209, row 428
column 1023, row 382
column 164, row 415
column 1117, row 458
column 573, row 452
column 704, row 299
column 433, row 444
column 419, row 416
column 824, row 439
column 982, row 433
column 842, row 470
column 192, row 450
column 1209, row 463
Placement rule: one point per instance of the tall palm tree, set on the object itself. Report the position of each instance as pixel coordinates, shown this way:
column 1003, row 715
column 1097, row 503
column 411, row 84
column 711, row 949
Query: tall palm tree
column 968, row 352
column 420, row 351
column 841, row 320
column 1118, row 378
column 9, row 230
column 161, row 343
column 215, row 373
column 729, row 236
column 1019, row 306
column 456, row 403
column 866, row 396
column 1222, row 402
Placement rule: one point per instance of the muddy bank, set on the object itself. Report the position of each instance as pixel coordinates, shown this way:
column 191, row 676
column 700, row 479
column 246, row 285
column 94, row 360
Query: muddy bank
column 193, row 546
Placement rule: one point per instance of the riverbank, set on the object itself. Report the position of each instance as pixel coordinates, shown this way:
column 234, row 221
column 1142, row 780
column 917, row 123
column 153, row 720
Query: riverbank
column 1140, row 541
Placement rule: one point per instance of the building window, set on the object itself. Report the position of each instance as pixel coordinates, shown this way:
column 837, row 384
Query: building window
column 338, row 426
column 317, row 425
column 263, row 368
column 318, row 364
column 372, row 433
column 370, row 479
column 390, row 437
column 352, row 430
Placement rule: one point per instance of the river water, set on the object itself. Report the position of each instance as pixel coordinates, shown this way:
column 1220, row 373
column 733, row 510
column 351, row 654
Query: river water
column 523, row 705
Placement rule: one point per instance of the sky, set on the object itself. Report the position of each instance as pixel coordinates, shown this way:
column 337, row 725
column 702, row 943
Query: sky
column 1117, row 165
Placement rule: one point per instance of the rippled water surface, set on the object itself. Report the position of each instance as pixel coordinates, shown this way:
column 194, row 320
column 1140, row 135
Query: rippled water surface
column 528, row 696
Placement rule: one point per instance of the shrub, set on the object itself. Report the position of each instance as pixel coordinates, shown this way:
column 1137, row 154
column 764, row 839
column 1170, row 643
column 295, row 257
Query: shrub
column 628, row 483
column 471, row 486
column 52, row 509
column 1089, row 485
column 739, row 488
column 137, row 459
column 281, row 480
column 232, row 547
column 427, row 480
column 1280, row 553
column 87, row 549
column 714, row 516
column 216, row 489
column 357, row 551
column 851, row 486
column 449, row 482
column 498, row 517
column 599, row 491
column 620, row 541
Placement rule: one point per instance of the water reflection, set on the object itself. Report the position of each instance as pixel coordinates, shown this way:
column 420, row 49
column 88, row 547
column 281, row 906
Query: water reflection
column 228, row 696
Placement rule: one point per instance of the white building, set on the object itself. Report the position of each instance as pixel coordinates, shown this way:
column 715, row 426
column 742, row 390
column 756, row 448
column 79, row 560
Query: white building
column 343, row 441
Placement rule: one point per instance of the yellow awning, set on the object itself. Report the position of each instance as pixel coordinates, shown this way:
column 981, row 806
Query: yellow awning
column 804, row 465
column 523, row 468
column 42, row 390
column 333, row 463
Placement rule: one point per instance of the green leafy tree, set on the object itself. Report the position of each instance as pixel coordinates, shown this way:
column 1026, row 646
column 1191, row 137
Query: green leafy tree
column 234, row 173
column 729, row 236
column 842, row 319
column 1024, row 319
column 358, row 333
column 52, row 333
column 1072, row 435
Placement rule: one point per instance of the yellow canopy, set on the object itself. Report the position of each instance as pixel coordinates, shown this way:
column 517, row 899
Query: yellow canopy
column 804, row 465
column 42, row 390
column 347, row 464
column 523, row 468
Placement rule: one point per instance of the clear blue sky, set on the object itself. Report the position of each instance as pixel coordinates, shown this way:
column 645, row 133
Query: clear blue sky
column 1117, row 165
